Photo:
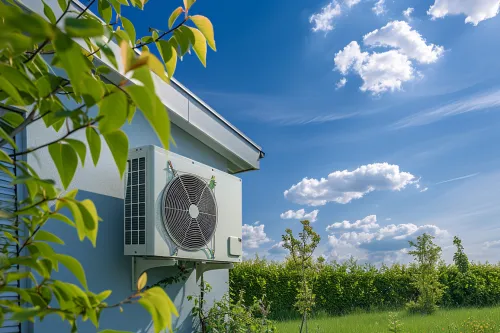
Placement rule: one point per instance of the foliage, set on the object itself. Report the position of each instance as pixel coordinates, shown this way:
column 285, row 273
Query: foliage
column 426, row 279
column 231, row 316
column 459, row 257
column 479, row 326
column 50, row 73
column 344, row 288
column 395, row 325
column 301, row 250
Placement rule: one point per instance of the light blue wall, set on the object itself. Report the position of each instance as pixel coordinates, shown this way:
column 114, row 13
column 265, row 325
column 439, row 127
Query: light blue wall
column 106, row 266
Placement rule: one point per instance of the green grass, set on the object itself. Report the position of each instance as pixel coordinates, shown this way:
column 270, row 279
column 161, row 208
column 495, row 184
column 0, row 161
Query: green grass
column 449, row 321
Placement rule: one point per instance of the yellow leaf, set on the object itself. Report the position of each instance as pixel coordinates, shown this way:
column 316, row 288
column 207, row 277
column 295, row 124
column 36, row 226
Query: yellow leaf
column 188, row 3
column 199, row 44
column 126, row 54
column 175, row 14
column 141, row 283
column 206, row 28
column 154, row 64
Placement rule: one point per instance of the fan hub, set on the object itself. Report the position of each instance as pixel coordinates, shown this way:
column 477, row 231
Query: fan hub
column 194, row 211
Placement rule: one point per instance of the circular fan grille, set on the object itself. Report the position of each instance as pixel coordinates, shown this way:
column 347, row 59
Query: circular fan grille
column 189, row 211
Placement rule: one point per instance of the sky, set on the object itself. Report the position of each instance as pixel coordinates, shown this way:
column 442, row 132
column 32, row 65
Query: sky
column 378, row 119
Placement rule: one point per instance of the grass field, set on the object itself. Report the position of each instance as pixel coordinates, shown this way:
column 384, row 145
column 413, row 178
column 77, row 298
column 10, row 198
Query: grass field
column 449, row 321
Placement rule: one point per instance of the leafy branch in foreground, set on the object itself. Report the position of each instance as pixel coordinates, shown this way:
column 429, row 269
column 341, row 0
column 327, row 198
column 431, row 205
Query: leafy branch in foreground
column 46, row 75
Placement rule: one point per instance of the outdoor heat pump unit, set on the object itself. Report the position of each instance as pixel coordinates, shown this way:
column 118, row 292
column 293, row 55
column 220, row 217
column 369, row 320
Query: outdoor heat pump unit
column 179, row 209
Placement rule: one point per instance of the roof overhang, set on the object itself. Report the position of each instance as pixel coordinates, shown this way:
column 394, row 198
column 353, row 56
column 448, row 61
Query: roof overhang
column 186, row 110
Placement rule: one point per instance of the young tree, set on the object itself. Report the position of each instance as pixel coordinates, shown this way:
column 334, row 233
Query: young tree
column 426, row 255
column 301, row 250
column 43, row 61
column 460, row 258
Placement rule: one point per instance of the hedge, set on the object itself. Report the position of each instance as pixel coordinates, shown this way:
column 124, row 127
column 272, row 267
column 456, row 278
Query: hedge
column 344, row 288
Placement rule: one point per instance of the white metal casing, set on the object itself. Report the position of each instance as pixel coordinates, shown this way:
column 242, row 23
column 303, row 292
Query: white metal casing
column 228, row 196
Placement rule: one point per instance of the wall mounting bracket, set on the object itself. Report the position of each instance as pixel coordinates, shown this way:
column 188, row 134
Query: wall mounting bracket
column 203, row 266
column 142, row 264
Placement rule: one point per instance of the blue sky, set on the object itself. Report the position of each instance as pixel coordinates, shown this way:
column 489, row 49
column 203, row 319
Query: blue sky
column 408, row 145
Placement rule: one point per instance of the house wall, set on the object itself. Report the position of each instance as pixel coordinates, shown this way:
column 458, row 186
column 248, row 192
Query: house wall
column 106, row 266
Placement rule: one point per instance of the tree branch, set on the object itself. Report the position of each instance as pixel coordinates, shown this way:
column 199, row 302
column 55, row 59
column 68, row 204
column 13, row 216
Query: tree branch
column 162, row 35
column 86, row 8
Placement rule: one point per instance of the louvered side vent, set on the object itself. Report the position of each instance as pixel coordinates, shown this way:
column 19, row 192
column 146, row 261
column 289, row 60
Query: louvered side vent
column 8, row 202
column 135, row 202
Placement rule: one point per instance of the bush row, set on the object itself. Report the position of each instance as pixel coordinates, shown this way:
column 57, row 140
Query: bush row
column 344, row 288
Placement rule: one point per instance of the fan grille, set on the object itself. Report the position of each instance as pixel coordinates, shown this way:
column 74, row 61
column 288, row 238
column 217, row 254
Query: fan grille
column 189, row 211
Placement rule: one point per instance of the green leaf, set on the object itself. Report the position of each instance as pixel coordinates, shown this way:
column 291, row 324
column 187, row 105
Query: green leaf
column 169, row 55
column 4, row 157
column 173, row 17
column 92, row 91
column 8, row 88
column 62, row 4
column 46, row 236
column 206, row 28
column 156, row 66
column 7, row 138
column 141, row 283
column 108, row 53
column 129, row 28
column 160, row 306
column 114, row 331
column 66, row 161
column 90, row 219
column 118, row 144
column 188, row 3
column 113, row 109
column 105, row 10
column 143, row 74
column 72, row 60
column 130, row 111
column 94, row 142
column 199, row 45
column 103, row 295
column 183, row 37
column 49, row 13
column 23, row 314
column 12, row 118
column 74, row 267
column 79, row 147
column 80, row 27
column 63, row 218
column 154, row 111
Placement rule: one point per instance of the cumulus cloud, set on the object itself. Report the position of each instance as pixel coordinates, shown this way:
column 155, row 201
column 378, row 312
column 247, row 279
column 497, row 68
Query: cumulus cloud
column 387, row 71
column 399, row 35
column 379, row 7
column 386, row 239
column 341, row 83
column 323, row 21
column 407, row 13
column 277, row 249
column 254, row 236
column 365, row 224
column 344, row 186
column 300, row 215
column 475, row 10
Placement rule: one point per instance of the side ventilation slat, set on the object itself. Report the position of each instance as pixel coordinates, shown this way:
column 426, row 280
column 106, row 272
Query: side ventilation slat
column 135, row 202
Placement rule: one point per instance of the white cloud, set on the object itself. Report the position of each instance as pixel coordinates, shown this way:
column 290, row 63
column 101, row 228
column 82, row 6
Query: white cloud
column 425, row 189
column 254, row 237
column 341, row 83
column 475, row 10
column 390, row 238
column 351, row 3
column 407, row 13
column 387, row 71
column 399, row 35
column 474, row 103
column 492, row 244
column 300, row 215
column 388, row 219
column 344, row 186
column 365, row 224
column 256, row 223
column 323, row 21
column 278, row 249
column 379, row 7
